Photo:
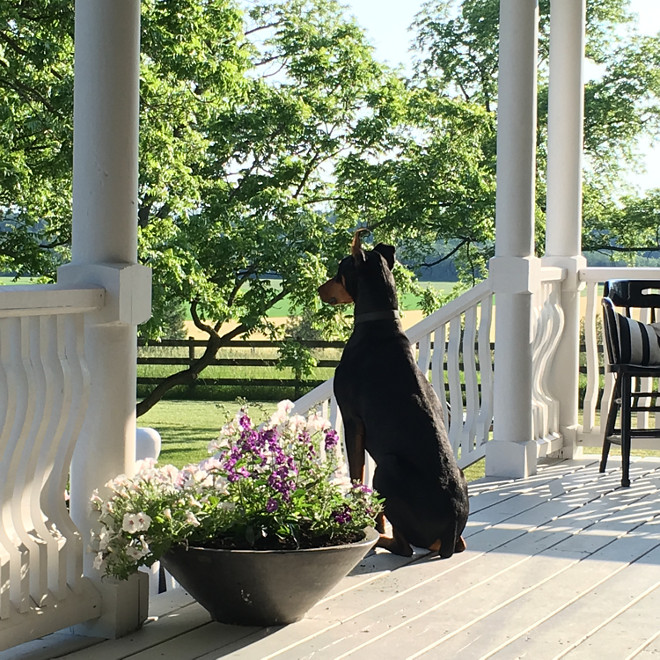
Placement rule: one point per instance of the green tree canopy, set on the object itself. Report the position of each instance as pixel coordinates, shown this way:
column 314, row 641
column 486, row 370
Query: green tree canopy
column 457, row 45
column 269, row 133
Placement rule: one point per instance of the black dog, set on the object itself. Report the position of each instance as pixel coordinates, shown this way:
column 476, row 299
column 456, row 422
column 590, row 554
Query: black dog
column 390, row 410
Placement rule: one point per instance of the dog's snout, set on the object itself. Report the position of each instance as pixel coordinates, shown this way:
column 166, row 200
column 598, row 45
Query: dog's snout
column 333, row 293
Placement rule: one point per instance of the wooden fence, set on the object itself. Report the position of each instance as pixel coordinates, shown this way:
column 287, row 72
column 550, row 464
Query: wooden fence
column 263, row 355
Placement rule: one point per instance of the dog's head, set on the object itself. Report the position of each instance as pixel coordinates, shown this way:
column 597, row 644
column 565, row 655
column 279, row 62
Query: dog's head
column 373, row 264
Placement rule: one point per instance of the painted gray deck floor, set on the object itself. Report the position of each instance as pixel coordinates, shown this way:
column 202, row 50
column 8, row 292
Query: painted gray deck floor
column 562, row 565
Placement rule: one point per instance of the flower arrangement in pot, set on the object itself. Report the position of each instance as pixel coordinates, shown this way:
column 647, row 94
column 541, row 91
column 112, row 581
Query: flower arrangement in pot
column 257, row 533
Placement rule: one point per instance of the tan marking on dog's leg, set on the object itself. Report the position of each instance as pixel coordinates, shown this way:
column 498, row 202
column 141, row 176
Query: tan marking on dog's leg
column 460, row 545
column 396, row 544
column 435, row 546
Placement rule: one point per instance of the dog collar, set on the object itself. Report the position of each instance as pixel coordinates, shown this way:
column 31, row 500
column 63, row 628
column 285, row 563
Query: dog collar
column 378, row 316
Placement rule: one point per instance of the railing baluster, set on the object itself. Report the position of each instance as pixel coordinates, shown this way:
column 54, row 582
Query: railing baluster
column 468, row 441
column 454, row 378
column 19, row 403
column 485, row 354
column 9, row 554
column 591, row 345
column 424, row 357
column 74, row 358
column 438, row 368
column 547, row 327
column 55, row 411
column 35, row 427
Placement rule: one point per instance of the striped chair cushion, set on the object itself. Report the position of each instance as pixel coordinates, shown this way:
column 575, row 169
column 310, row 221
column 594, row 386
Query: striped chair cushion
column 639, row 343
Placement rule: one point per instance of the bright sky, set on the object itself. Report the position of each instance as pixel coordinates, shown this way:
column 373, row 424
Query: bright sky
column 386, row 23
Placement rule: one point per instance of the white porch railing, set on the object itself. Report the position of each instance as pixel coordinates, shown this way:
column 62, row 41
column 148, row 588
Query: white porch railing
column 43, row 391
column 454, row 348
column 600, row 385
column 547, row 326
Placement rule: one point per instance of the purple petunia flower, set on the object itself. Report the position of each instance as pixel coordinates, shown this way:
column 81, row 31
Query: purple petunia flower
column 331, row 439
column 344, row 516
column 361, row 488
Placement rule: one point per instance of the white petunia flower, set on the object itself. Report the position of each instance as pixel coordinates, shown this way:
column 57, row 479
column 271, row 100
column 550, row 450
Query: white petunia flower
column 104, row 538
column 135, row 522
column 98, row 561
column 316, row 422
column 138, row 550
column 191, row 519
column 281, row 414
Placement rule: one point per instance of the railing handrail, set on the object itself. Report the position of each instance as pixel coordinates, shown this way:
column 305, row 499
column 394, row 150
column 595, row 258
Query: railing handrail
column 552, row 274
column 42, row 299
column 450, row 310
column 604, row 273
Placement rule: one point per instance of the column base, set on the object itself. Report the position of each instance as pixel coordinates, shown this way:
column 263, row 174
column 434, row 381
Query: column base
column 571, row 449
column 515, row 460
column 125, row 607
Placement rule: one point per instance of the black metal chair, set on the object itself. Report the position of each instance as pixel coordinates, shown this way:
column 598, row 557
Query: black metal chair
column 633, row 352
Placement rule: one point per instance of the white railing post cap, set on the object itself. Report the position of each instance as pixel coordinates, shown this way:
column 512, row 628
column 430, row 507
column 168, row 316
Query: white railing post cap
column 514, row 274
column 127, row 286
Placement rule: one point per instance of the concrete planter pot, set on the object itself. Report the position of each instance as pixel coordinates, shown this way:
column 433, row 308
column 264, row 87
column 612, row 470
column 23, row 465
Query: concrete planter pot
column 263, row 587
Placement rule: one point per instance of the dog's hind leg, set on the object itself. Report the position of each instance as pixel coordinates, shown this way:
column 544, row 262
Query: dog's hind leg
column 451, row 542
column 459, row 546
column 354, row 434
column 380, row 523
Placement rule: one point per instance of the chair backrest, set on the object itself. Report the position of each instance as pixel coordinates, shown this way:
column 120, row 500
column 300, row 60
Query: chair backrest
column 633, row 293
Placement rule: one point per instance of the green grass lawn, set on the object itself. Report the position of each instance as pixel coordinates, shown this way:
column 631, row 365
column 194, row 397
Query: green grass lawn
column 187, row 427
column 6, row 279
column 407, row 301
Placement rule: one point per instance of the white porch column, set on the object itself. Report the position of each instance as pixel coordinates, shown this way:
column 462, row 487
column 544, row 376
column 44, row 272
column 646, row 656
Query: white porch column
column 514, row 269
column 105, row 167
column 564, row 198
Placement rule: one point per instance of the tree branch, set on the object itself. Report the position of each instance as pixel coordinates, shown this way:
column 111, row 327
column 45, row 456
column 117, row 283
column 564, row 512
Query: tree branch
column 214, row 343
column 447, row 256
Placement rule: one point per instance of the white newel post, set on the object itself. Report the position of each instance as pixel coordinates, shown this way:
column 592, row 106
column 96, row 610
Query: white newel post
column 514, row 269
column 105, row 170
column 564, row 199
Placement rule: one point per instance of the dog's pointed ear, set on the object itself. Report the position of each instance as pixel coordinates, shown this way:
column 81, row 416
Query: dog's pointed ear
column 388, row 252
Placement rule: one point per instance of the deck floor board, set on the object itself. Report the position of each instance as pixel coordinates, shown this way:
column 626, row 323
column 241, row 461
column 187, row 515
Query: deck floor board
column 565, row 564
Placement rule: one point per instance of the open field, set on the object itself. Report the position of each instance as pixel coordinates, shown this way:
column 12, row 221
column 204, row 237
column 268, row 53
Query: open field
column 407, row 301
column 408, row 319
column 8, row 279
column 279, row 313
